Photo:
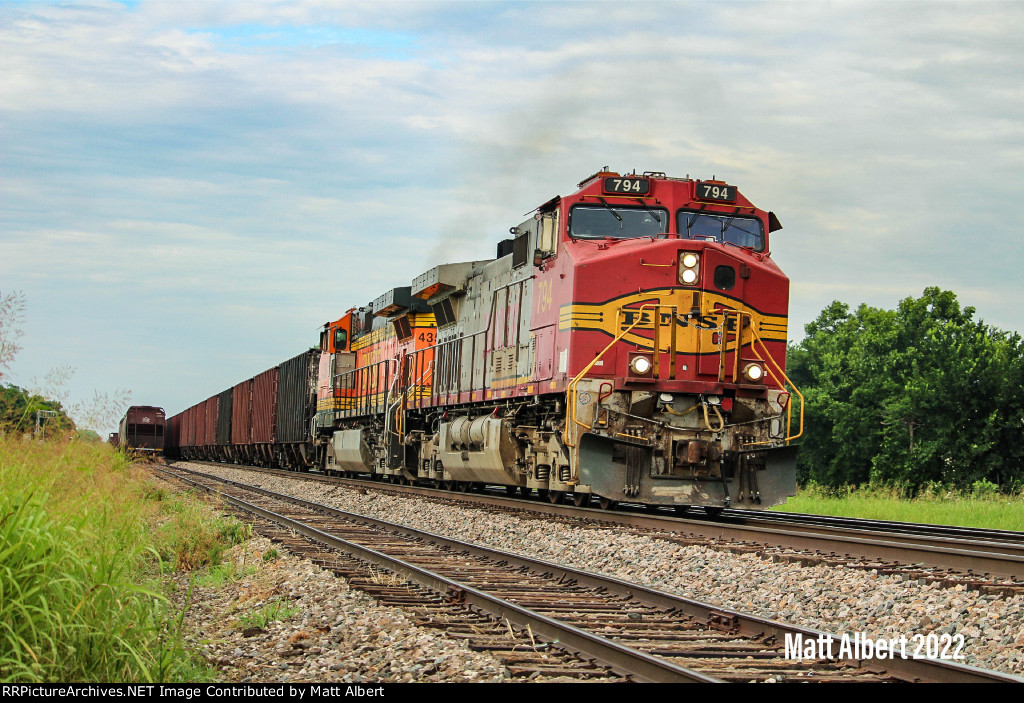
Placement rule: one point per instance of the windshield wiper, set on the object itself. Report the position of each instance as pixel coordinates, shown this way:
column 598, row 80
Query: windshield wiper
column 648, row 209
column 693, row 219
column 728, row 224
column 617, row 215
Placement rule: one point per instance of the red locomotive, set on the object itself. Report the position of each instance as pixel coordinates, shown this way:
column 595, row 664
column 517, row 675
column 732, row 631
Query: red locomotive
column 627, row 343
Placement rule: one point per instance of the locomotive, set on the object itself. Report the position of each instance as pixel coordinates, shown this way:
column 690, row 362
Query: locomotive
column 627, row 343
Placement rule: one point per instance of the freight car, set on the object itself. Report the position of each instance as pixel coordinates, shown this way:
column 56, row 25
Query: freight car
column 627, row 343
column 264, row 420
column 142, row 429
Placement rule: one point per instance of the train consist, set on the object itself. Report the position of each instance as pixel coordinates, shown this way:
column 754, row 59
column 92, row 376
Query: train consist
column 141, row 429
column 627, row 343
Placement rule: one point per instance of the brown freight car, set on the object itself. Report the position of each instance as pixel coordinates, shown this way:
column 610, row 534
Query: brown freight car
column 241, row 420
column 264, row 416
column 142, row 429
column 265, row 420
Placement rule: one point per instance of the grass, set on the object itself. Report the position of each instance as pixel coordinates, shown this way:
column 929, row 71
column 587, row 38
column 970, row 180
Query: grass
column 81, row 593
column 190, row 537
column 981, row 507
column 220, row 575
column 271, row 612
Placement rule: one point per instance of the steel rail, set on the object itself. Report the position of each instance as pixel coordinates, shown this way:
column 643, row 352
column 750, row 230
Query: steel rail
column 1009, row 538
column 617, row 657
column 998, row 559
column 932, row 670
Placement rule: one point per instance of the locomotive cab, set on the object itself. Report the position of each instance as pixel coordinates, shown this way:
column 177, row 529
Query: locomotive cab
column 335, row 360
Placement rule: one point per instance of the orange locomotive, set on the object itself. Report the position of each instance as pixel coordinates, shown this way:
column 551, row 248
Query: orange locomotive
column 627, row 343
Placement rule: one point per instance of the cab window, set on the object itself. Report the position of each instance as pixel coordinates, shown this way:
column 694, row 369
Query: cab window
column 725, row 229
column 613, row 222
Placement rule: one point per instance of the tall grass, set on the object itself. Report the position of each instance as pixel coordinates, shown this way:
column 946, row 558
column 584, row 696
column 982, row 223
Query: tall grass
column 78, row 595
column 982, row 506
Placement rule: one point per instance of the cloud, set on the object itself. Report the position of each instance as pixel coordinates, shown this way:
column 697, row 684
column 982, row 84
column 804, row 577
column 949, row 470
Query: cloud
column 239, row 172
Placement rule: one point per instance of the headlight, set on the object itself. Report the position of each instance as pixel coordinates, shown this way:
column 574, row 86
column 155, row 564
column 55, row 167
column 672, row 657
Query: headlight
column 689, row 263
column 640, row 365
column 753, row 372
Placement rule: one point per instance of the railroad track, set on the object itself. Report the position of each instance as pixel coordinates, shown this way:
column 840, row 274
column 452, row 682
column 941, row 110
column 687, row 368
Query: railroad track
column 988, row 561
column 608, row 627
column 1008, row 538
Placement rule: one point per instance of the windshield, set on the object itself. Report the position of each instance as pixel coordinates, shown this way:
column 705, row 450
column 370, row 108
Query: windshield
column 601, row 221
column 741, row 231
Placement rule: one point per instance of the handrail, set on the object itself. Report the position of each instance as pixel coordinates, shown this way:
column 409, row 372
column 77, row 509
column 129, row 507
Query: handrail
column 361, row 384
column 782, row 385
column 570, row 389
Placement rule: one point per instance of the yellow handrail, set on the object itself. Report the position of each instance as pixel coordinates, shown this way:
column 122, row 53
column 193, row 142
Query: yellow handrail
column 782, row 385
column 570, row 390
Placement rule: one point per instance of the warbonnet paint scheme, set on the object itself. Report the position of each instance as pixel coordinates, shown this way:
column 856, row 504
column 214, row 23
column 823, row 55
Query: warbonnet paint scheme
column 628, row 343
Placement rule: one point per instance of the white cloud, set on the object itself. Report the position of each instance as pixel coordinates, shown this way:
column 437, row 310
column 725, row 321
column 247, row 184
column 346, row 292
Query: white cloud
column 253, row 168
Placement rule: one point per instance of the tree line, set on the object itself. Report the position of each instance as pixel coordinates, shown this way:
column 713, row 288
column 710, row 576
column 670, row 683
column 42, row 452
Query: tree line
column 921, row 394
column 19, row 413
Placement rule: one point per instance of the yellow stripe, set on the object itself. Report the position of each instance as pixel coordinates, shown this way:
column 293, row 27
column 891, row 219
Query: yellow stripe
column 689, row 337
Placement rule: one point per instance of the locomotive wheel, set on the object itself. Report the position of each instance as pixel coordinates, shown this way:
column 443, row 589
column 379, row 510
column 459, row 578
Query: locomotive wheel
column 524, row 491
column 463, row 486
column 556, row 497
column 511, row 491
column 681, row 509
column 580, row 499
column 712, row 511
column 448, row 485
column 607, row 503
column 542, row 493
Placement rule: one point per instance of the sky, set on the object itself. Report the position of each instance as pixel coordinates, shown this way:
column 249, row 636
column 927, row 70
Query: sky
column 189, row 190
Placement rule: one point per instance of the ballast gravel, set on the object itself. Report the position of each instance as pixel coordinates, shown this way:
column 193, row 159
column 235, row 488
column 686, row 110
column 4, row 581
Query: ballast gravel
column 287, row 620
column 833, row 599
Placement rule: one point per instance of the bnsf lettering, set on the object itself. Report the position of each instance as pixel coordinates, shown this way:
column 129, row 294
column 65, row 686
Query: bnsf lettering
column 703, row 322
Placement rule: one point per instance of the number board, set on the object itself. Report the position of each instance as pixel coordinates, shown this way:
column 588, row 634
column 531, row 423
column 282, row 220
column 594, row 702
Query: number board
column 631, row 186
column 716, row 191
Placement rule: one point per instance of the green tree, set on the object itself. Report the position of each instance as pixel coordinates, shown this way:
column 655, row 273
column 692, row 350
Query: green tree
column 922, row 393
column 18, row 408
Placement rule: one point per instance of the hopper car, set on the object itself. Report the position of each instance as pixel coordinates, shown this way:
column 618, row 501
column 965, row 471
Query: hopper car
column 143, row 429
